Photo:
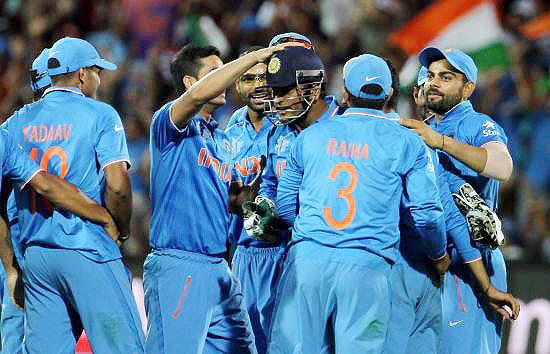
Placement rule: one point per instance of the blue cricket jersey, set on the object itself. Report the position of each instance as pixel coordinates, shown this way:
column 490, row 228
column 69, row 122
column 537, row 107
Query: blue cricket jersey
column 190, row 175
column 15, row 233
column 247, row 147
column 348, row 175
column 73, row 137
column 279, row 140
column 466, row 125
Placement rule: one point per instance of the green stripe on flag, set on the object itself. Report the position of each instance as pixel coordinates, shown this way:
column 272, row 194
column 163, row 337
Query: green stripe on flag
column 492, row 56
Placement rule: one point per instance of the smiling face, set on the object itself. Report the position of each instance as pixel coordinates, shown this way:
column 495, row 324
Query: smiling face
column 248, row 83
column 445, row 87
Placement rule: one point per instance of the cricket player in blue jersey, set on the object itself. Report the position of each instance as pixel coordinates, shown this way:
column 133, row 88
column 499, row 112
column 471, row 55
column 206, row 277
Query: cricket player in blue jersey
column 472, row 147
column 349, row 175
column 192, row 299
column 254, row 263
column 296, row 81
column 68, row 259
column 416, row 312
column 12, row 319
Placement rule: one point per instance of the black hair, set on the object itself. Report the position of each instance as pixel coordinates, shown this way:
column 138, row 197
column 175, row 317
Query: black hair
column 368, row 102
column 186, row 62
column 251, row 49
column 392, row 101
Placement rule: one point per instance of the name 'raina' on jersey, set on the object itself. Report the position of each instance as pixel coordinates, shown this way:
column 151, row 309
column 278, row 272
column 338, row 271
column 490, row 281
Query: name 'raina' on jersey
column 347, row 149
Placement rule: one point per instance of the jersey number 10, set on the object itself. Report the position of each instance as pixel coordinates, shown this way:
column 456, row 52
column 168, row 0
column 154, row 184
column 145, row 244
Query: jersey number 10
column 44, row 162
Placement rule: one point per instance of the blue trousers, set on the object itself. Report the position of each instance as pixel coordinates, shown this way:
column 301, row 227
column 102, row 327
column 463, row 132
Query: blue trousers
column 194, row 305
column 12, row 321
column 258, row 270
column 330, row 300
column 469, row 326
column 415, row 322
column 66, row 292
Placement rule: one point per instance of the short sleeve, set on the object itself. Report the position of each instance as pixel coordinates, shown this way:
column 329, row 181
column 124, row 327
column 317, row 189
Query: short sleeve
column 164, row 130
column 483, row 130
column 111, row 144
column 16, row 165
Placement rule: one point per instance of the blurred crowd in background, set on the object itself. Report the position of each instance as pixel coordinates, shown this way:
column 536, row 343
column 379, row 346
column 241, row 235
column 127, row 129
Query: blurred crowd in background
column 142, row 35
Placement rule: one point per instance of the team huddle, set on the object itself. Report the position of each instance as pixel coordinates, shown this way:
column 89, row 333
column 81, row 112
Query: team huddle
column 354, row 230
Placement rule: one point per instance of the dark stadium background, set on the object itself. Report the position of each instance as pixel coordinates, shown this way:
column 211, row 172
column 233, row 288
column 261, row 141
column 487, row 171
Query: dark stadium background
column 141, row 35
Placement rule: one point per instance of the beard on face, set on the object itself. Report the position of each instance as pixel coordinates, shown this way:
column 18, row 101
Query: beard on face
column 446, row 102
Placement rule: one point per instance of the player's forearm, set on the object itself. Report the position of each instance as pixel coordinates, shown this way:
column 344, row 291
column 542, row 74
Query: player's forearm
column 209, row 87
column 118, row 200
column 66, row 196
column 472, row 156
column 480, row 274
column 6, row 252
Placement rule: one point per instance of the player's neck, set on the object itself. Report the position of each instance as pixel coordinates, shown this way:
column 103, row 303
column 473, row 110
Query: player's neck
column 205, row 113
column 256, row 119
column 316, row 111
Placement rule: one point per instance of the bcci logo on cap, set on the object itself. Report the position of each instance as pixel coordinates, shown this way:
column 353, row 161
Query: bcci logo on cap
column 274, row 65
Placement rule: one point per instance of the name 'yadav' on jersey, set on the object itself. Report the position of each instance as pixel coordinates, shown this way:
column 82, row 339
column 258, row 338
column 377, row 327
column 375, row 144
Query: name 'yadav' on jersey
column 190, row 175
column 73, row 137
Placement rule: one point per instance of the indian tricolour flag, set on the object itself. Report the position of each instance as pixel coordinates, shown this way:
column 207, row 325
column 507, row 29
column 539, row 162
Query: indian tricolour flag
column 469, row 25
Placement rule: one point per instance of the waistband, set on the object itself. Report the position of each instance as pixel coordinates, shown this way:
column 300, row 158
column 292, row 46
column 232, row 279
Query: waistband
column 186, row 255
column 355, row 256
column 260, row 250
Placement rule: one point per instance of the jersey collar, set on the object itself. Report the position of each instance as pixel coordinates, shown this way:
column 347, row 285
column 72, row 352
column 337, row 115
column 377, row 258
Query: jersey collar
column 369, row 112
column 71, row 89
column 459, row 109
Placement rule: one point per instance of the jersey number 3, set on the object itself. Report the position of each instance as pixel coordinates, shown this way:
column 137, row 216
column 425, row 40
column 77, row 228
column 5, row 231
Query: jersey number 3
column 44, row 162
column 344, row 193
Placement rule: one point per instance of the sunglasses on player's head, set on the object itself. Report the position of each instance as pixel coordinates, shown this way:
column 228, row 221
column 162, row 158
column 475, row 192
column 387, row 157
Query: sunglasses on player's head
column 249, row 79
column 303, row 43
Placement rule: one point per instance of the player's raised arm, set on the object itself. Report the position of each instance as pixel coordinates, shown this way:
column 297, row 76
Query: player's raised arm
column 199, row 92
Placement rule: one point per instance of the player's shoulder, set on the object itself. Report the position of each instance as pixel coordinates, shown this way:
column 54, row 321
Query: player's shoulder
column 237, row 119
column 99, row 107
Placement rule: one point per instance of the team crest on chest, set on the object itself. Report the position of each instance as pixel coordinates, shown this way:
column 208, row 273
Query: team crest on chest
column 282, row 144
column 236, row 145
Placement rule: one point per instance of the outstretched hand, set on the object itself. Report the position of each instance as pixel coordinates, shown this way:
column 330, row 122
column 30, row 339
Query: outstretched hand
column 432, row 138
column 240, row 193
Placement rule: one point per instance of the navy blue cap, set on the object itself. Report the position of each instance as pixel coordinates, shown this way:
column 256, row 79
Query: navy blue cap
column 75, row 53
column 457, row 58
column 422, row 76
column 367, row 69
column 283, row 65
column 39, row 68
column 289, row 35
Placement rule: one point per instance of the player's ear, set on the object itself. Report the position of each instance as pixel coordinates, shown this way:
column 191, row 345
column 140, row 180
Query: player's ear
column 345, row 97
column 469, row 88
column 188, row 81
column 415, row 93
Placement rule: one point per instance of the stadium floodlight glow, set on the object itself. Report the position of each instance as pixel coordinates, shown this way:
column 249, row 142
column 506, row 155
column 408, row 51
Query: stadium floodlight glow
column 280, row 109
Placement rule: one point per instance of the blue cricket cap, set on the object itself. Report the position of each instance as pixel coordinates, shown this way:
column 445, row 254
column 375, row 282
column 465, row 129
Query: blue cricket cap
column 422, row 76
column 365, row 70
column 288, row 37
column 283, row 66
column 73, row 54
column 39, row 71
column 457, row 58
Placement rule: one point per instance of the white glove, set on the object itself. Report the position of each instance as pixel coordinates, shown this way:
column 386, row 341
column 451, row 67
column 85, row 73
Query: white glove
column 258, row 219
column 483, row 223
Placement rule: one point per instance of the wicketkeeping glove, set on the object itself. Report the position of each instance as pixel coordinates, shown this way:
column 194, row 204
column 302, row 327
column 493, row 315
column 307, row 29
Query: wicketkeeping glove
column 259, row 216
column 483, row 223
